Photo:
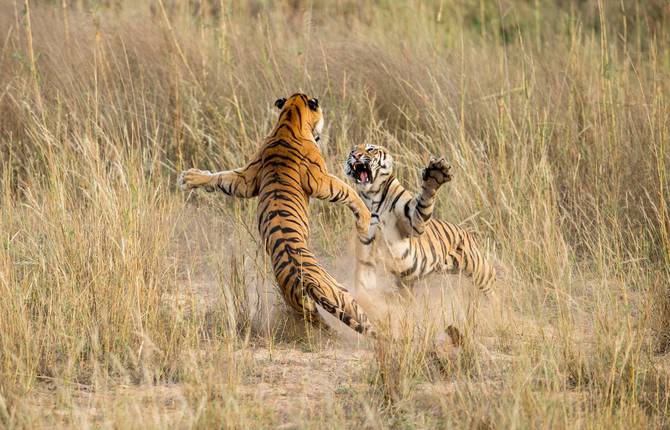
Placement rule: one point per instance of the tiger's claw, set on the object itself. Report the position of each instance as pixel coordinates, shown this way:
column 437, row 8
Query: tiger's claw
column 438, row 171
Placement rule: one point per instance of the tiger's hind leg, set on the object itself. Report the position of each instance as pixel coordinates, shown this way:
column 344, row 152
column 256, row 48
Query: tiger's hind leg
column 467, row 258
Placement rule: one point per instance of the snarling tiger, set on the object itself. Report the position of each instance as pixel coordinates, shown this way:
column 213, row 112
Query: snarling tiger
column 402, row 230
column 284, row 173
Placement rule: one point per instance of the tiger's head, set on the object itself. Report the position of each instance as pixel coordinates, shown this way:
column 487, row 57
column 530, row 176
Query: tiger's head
column 303, row 111
column 369, row 166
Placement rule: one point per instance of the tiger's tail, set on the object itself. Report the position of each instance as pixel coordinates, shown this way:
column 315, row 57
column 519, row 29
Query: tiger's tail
column 337, row 301
column 305, row 284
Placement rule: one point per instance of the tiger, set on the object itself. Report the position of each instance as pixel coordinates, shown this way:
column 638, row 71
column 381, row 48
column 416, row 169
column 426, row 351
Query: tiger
column 285, row 171
column 402, row 227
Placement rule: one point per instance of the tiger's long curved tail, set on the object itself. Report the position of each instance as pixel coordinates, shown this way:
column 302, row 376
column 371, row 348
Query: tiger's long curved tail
column 339, row 302
column 305, row 283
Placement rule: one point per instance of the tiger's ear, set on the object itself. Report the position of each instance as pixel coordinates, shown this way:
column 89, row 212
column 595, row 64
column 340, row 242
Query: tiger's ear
column 313, row 104
column 280, row 103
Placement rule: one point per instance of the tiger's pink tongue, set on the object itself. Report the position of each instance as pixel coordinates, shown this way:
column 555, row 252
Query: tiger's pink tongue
column 363, row 177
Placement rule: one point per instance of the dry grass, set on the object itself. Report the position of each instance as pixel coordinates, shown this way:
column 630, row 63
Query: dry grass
column 124, row 304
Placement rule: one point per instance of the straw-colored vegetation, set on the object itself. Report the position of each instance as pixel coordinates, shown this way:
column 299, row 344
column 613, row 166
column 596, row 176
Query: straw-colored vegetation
column 126, row 303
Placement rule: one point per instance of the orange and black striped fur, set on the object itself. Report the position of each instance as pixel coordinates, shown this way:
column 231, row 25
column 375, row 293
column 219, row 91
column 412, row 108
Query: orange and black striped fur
column 284, row 173
column 412, row 243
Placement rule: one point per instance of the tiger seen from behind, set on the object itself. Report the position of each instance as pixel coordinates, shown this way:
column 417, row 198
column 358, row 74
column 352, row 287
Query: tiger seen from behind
column 284, row 173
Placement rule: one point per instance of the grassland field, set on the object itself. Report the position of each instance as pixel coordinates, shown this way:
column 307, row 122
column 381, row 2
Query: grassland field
column 126, row 303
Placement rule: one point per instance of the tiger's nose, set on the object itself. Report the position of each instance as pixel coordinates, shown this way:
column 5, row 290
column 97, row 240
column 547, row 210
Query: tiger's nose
column 357, row 154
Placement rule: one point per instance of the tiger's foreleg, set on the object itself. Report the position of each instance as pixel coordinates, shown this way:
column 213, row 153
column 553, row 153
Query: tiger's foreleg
column 331, row 188
column 420, row 208
column 365, row 274
column 242, row 182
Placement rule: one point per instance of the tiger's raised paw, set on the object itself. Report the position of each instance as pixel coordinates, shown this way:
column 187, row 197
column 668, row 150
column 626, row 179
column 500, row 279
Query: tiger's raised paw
column 438, row 171
column 195, row 178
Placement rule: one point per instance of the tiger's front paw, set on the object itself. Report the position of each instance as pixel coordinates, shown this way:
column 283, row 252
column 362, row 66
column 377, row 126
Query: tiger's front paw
column 194, row 178
column 437, row 172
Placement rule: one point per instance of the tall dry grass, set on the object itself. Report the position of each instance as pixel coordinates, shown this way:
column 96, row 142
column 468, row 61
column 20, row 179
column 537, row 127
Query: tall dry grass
column 555, row 116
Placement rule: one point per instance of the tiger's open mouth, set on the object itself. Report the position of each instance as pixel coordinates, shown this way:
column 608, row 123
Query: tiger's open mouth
column 361, row 173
